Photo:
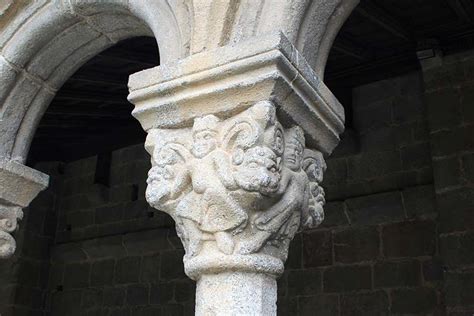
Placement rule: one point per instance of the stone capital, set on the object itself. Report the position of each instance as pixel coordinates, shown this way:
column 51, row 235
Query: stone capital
column 19, row 185
column 237, row 137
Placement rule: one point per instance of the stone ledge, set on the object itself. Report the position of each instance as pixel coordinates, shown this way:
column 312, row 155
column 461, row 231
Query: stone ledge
column 19, row 184
column 230, row 79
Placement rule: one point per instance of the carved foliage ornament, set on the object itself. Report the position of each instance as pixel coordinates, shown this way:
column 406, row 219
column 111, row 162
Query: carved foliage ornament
column 242, row 185
column 9, row 216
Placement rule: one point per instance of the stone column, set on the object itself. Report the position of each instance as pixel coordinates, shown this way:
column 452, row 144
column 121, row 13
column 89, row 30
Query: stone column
column 19, row 185
column 237, row 137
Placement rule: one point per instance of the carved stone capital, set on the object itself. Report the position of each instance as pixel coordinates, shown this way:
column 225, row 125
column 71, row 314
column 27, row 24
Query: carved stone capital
column 230, row 132
column 19, row 185
column 238, row 189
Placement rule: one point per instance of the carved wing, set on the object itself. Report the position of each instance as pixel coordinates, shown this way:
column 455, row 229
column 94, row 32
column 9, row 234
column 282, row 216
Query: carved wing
column 240, row 133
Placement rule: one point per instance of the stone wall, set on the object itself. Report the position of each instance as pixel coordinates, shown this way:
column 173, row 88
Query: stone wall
column 450, row 102
column 377, row 251
column 382, row 249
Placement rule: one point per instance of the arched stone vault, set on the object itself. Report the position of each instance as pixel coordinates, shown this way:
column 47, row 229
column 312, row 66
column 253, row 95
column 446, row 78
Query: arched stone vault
column 46, row 41
column 256, row 58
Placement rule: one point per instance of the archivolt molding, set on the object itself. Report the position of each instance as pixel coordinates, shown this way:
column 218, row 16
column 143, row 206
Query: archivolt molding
column 46, row 41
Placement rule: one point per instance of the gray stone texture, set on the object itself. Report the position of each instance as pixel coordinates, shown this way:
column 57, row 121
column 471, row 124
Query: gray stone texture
column 397, row 238
column 449, row 101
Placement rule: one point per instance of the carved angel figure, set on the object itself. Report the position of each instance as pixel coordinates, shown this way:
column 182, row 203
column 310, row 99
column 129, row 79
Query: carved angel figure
column 207, row 210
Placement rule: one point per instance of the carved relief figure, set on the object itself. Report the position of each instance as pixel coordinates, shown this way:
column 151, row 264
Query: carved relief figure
column 314, row 166
column 282, row 220
column 209, row 205
column 9, row 216
column 236, row 185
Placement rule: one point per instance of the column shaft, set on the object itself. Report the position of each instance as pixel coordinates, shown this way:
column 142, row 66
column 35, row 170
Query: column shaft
column 236, row 293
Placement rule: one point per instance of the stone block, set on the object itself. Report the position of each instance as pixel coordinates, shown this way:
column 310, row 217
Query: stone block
column 397, row 274
column 150, row 269
column 459, row 287
column 295, row 253
column 172, row 265
column 334, row 214
column 467, row 100
column 146, row 242
column 317, row 248
column 456, row 210
column 29, row 271
column 106, row 247
column 114, row 296
column 347, row 278
column 468, row 167
column 439, row 115
column 172, row 310
column 127, row 270
column 304, row 282
column 356, row 244
column 26, row 296
column 184, row 291
column 457, row 250
column 447, row 172
column 381, row 139
column 367, row 303
column 419, row 200
column 433, row 270
column 137, row 294
column 108, row 214
column 122, row 311
column 81, row 219
column 373, row 116
column 161, row 293
column 416, row 156
column 323, row 304
column 122, row 193
column 372, row 165
column 366, row 94
column 76, row 275
column 409, row 239
column 349, row 144
column 449, row 141
column 92, row 298
column 147, row 311
column 135, row 209
column 336, row 171
column 409, row 107
column 102, row 272
column 420, row 300
column 376, row 208
column 66, row 302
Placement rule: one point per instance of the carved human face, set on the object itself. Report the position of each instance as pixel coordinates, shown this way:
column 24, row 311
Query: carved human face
column 314, row 171
column 259, row 171
column 293, row 154
column 204, row 142
column 161, row 174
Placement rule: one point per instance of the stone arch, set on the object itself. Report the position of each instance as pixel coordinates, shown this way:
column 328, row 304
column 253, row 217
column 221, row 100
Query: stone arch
column 44, row 42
